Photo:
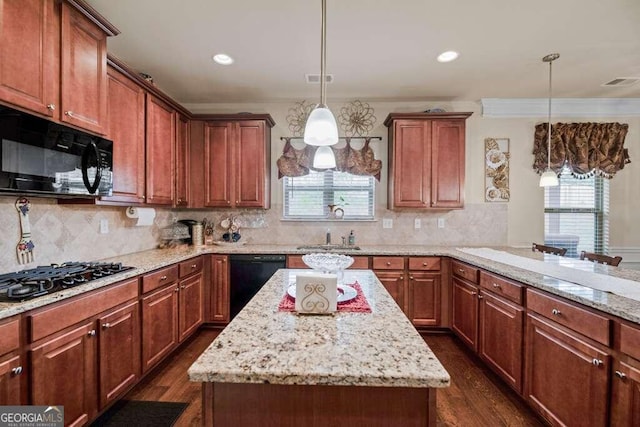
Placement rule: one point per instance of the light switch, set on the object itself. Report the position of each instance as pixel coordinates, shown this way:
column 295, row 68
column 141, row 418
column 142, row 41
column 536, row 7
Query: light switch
column 440, row 222
column 387, row 223
column 104, row 226
column 417, row 223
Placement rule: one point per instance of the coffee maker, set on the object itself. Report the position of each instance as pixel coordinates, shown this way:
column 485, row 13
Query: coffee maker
column 190, row 223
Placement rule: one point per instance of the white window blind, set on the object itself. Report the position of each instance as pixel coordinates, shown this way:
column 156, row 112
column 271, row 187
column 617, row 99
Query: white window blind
column 577, row 214
column 309, row 196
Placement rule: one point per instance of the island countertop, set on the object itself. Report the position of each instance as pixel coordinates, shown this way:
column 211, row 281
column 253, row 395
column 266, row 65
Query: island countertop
column 264, row 345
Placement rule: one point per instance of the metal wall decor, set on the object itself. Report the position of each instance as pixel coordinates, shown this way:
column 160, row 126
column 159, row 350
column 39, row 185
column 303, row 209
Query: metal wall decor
column 496, row 156
column 297, row 117
column 357, row 118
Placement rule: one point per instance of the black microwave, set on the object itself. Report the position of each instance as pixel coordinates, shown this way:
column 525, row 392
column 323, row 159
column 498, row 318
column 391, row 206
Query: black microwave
column 44, row 158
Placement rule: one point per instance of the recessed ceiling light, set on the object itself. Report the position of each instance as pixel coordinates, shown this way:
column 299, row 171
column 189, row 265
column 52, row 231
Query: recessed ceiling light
column 448, row 56
column 223, row 59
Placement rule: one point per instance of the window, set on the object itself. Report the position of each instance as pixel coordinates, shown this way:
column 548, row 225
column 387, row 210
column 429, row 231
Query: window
column 309, row 196
column 576, row 214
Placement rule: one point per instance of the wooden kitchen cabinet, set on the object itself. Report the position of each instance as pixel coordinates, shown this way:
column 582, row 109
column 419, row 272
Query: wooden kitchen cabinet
column 625, row 393
column 126, row 121
column 424, row 298
column 30, row 81
column 237, row 156
column 220, row 296
column 567, row 375
column 426, row 160
column 190, row 305
column 12, row 367
column 465, row 312
column 64, row 372
column 394, row 283
column 183, row 177
column 160, row 152
column 159, row 324
column 119, row 357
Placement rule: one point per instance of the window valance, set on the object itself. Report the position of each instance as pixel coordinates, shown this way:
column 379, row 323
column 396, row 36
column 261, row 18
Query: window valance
column 298, row 162
column 587, row 149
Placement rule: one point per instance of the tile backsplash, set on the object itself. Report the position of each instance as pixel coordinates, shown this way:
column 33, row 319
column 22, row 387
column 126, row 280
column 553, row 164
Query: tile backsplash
column 72, row 232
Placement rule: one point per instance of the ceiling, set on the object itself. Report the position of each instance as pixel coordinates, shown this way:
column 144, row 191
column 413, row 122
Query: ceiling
column 378, row 51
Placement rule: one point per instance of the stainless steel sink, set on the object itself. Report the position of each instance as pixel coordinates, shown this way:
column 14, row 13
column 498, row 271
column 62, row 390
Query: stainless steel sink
column 328, row 248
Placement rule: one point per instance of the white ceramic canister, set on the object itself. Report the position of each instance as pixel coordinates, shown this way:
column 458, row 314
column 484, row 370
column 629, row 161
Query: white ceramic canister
column 198, row 234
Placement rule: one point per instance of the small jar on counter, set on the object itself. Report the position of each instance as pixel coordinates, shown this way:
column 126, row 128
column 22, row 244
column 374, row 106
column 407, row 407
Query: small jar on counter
column 198, row 235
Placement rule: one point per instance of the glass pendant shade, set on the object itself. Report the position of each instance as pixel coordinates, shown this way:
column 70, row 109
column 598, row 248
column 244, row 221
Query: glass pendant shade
column 324, row 158
column 549, row 178
column 321, row 128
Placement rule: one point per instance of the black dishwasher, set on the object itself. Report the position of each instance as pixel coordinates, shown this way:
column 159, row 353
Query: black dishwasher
column 248, row 274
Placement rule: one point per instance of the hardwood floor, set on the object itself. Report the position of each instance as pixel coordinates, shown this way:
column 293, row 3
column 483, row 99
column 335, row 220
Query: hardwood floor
column 476, row 396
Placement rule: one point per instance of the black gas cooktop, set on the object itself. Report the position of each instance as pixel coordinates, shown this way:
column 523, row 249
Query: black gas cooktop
column 35, row 282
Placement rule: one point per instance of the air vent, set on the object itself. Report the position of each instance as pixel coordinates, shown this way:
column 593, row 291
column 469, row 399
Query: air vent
column 315, row 78
column 622, row 81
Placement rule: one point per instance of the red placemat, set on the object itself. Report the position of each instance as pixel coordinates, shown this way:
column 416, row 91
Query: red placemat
column 358, row 304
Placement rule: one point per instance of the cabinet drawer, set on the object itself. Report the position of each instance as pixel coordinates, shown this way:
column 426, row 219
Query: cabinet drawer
column 418, row 263
column 630, row 340
column 54, row 319
column 9, row 335
column 388, row 263
column 580, row 320
column 500, row 286
column 190, row 266
column 464, row 271
column 159, row 278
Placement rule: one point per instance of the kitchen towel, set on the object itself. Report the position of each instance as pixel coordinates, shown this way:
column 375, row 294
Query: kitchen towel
column 357, row 305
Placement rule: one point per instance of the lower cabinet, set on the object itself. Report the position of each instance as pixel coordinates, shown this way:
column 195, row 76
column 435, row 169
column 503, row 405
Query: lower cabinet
column 12, row 372
column 423, row 302
column 64, row 372
column 625, row 394
column 465, row 312
column 394, row 283
column 159, row 324
column 567, row 377
column 220, row 297
column 190, row 305
column 119, row 352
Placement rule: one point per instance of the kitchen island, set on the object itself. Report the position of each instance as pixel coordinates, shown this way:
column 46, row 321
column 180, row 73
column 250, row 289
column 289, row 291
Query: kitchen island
column 274, row 368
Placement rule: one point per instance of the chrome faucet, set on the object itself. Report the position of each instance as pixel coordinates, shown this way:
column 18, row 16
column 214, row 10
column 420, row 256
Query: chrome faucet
column 328, row 242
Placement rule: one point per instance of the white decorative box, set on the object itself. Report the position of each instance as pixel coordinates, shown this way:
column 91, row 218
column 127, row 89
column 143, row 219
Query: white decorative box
column 316, row 293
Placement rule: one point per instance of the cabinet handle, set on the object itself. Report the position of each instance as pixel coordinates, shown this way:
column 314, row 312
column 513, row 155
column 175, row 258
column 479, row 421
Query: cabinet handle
column 388, row 262
column 106, row 325
column 621, row 375
column 411, row 277
column 182, row 286
column 68, row 113
column 92, row 333
column 495, row 285
column 556, row 312
column 17, row 370
column 176, row 289
column 193, row 266
column 179, row 200
column 597, row 362
column 474, row 293
column 424, row 264
column 480, row 297
column 51, row 107
column 461, row 270
column 163, row 277
column 401, row 277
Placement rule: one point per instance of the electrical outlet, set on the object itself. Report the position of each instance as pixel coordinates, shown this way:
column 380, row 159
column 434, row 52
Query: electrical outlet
column 387, row 223
column 440, row 222
column 417, row 223
column 104, row 226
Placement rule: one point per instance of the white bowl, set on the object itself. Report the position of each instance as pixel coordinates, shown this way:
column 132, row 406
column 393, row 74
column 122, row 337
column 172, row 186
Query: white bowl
column 328, row 263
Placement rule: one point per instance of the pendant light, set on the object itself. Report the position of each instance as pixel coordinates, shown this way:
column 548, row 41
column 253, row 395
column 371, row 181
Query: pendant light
column 321, row 128
column 324, row 158
column 549, row 178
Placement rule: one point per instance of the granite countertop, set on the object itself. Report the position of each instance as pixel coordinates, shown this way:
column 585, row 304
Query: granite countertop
column 263, row 345
column 153, row 259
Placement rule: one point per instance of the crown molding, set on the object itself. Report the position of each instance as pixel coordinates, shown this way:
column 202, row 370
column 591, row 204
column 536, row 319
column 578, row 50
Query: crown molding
column 560, row 107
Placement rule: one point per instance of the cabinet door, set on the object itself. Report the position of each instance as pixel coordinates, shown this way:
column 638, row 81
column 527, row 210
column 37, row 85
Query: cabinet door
column 191, row 310
column 217, row 168
column 424, row 298
column 126, row 128
column 220, row 289
column 119, row 352
column 625, row 394
column 182, row 161
column 393, row 281
column 83, row 76
column 161, row 150
column 159, row 325
column 500, row 338
column 465, row 312
column 567, row 378
column 11, row 374
column 30, row 48
column 63, row 372
column 447, row 163
column 410, row 164
column 249, row 161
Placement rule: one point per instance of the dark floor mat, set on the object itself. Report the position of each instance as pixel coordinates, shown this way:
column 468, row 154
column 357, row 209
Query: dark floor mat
column 141, row 413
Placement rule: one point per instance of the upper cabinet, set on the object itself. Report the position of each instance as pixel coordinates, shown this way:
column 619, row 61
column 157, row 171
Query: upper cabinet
column 426, row 160
column 161, row 151
column 183, row 184
column 237, row 154
column 54, row 60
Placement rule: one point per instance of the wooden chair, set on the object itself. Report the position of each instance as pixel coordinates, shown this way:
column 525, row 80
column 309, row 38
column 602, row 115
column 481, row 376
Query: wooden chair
column 602, row 259
column 548, row 249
